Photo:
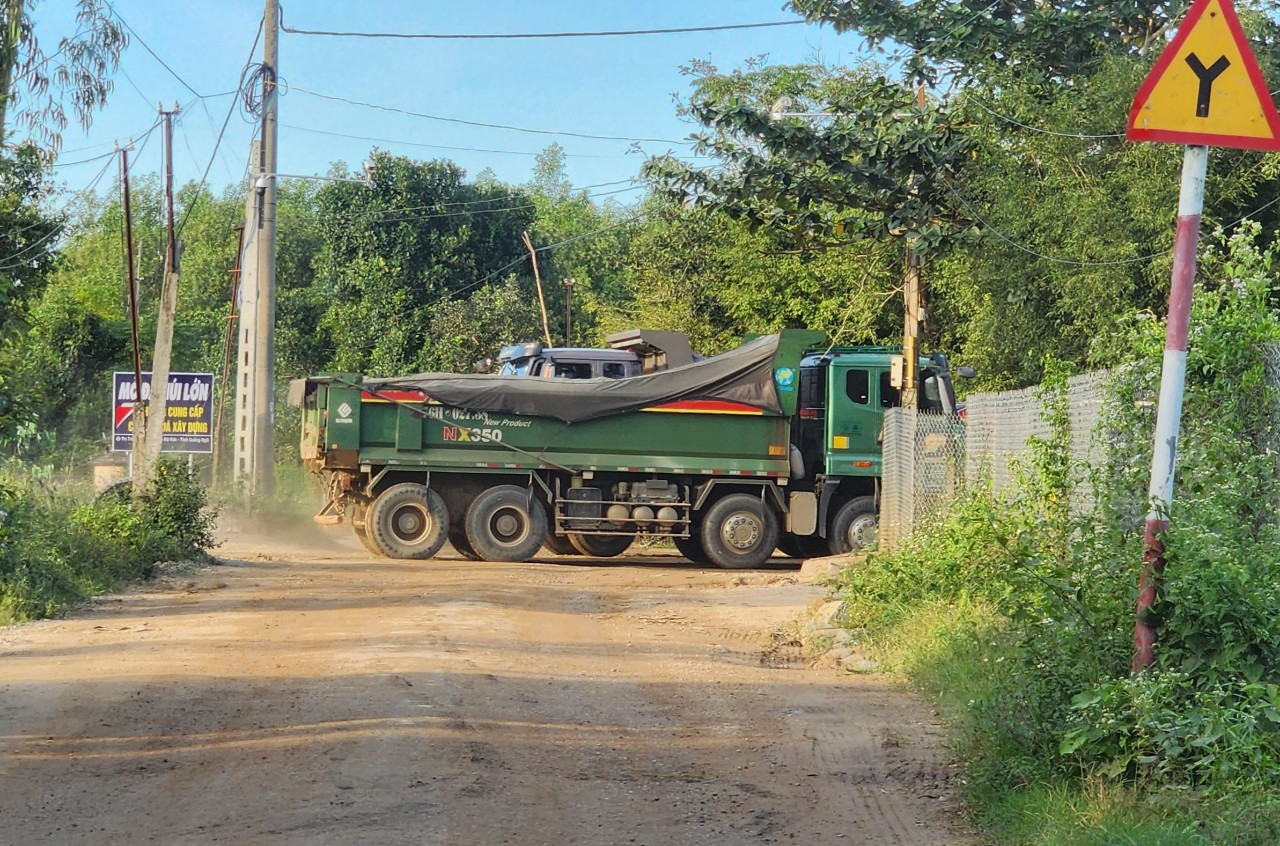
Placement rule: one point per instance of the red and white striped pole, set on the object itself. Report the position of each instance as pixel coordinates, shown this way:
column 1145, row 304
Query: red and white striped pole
column 1195, row 165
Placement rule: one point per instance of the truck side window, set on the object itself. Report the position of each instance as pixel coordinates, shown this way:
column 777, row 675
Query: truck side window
column 890, row 397
column 857, row 384
column 573, row 370
column 614, row 370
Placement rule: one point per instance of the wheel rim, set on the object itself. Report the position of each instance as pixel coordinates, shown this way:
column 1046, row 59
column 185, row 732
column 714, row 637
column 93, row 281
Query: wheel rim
column 410, row 523
column 864, row 532
column 509, row 526
column 741, row 531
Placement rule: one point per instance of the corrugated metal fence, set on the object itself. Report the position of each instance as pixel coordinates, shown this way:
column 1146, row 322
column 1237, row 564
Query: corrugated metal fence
column 928, row 457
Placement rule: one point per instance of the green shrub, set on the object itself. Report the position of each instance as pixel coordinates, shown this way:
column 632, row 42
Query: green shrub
column 55, row 551
column 1017, row 616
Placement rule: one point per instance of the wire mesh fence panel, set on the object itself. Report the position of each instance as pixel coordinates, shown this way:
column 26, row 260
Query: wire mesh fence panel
column 897, row 486
column 1000, row 426
column 923, row 470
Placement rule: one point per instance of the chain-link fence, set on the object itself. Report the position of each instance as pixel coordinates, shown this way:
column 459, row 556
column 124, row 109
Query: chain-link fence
column 924, row 460
column 929, row 457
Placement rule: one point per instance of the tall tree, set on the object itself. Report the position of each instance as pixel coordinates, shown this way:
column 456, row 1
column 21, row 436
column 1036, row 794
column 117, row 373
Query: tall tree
column 77, row 76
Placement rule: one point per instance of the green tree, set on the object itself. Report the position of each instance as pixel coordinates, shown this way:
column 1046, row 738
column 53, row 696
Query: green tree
column 77, row 75
column 593, row 243
column 393, row 253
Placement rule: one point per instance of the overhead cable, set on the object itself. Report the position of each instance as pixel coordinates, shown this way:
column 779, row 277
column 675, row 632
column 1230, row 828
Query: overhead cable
column 516, row 35
column 153, row 53
column 480, row 123
column 221, row 134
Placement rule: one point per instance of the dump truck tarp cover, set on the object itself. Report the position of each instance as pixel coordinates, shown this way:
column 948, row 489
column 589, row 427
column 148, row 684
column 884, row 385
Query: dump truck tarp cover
column 742, row 375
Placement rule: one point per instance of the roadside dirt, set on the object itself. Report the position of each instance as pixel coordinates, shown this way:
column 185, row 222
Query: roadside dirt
column 304, row 692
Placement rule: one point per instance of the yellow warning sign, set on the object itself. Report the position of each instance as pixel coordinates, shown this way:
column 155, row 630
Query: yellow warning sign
column 1206, row 87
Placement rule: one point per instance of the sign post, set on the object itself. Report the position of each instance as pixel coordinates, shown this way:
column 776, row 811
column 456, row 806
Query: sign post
column 1205, row 89
column 188, row 423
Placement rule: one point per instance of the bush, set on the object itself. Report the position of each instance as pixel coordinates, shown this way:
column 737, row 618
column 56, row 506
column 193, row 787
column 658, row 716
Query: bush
column 1017, row 616
column 56, row 551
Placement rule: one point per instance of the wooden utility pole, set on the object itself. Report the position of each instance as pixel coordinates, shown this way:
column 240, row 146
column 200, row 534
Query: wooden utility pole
column 912, row 306
column 568, row 311
column 219, row 459
column 138, row 455
column 161, row 358
column 537, row 281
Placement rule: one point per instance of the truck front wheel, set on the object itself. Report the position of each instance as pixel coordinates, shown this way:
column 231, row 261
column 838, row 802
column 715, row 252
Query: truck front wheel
column 408, row 521
column 855, row 528
column 506, row 523
column 739, row 531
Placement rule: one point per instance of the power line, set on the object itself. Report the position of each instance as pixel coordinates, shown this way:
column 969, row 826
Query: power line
column 12, row 261
column 221, row 134
column 437, row 146
column 481, row 123
column 1008, row 119
column 513, row 35
column 153, row 53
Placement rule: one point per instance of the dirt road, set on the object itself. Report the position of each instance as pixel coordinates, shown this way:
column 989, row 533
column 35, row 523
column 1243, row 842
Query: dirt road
column 303, row 692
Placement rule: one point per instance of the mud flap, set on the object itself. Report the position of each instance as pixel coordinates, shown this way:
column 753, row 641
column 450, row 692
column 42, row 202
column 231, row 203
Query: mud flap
column 329, row 515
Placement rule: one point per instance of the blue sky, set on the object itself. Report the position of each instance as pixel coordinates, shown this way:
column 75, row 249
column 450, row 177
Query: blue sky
column 602, row 86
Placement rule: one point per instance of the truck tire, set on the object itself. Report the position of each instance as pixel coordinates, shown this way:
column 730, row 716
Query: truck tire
column 458, row 540
column 807, row 546
column 560, row 544
column 408, row 521
column 739, row 531
column 360, row 526
column 855, row 527
column 506, row 523
column 691, row 548
column 600, row 546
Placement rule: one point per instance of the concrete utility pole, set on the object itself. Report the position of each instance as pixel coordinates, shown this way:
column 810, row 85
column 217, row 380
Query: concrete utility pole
column 255, row 378
column 157, row 408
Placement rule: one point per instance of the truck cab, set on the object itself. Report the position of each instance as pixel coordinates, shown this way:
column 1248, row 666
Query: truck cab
column 837, row 435
column 567, row 362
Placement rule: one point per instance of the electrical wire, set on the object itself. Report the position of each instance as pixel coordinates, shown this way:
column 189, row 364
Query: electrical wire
column 153, row 53
column 1008, row 119
column 436, row 146
column 515, row 35
column 12, row 262
column 1076, row 263
column 83, row 161
column 481, row 123
column 218, row 143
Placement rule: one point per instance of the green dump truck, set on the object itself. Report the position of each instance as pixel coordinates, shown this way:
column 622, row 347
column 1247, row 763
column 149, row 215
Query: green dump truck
column 771, row 445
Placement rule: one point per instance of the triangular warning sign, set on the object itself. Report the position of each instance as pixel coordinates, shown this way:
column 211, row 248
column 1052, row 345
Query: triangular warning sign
column 1206, row 88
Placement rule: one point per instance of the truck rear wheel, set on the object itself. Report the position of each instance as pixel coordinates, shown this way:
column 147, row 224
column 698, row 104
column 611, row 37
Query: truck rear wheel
column 506, row 523
column 600, row 546
column 807, row 546
column 458, row 540
column 855, row 527
column 408, row 521
column 560, row 544
column 739, row 531
column 360, row 526
column 691, row 547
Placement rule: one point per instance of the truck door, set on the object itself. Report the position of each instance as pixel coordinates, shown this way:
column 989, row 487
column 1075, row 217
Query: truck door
column 854, row 420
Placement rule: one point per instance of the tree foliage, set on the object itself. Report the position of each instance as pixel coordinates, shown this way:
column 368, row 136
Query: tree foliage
column 76, row 77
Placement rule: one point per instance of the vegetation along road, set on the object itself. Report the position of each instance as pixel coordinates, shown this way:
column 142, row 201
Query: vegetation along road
column 303, row 692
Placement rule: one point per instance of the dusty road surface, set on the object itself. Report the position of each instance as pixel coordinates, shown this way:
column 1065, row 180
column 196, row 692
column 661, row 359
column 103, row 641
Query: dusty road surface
column 304, row 692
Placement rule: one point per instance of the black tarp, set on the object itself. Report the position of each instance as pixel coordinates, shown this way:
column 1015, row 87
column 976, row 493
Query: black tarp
column 742, row 375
